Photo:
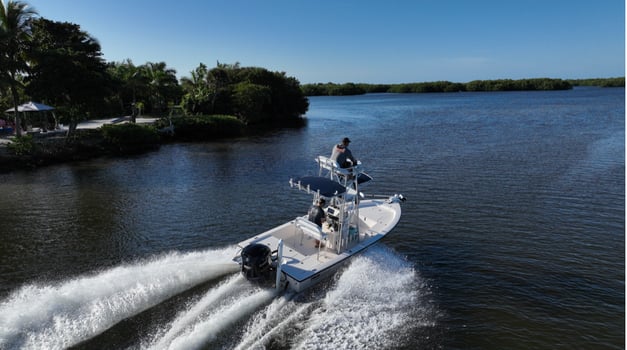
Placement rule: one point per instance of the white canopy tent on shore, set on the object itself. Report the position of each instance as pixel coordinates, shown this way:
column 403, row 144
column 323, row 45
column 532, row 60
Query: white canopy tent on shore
column 35, row 107
column 31, row 107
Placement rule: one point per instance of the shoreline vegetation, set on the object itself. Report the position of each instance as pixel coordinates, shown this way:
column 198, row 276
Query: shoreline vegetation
column 114, row 140
column 60, row 65
column 537, row 84
column 127, row 139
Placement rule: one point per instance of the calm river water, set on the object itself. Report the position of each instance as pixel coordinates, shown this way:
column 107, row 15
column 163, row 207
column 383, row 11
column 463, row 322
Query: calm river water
column 513, row 235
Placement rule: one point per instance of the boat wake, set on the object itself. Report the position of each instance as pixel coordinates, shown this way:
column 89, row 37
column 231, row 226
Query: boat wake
column 370, row 304
column 61, row 315
column 218, row 310
column 276, row 320
column 373, row 304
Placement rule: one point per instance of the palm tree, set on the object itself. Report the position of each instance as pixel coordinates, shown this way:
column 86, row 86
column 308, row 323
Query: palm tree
column 14, row 35
column 196, row 90
column 161, row 81
column 132, row 79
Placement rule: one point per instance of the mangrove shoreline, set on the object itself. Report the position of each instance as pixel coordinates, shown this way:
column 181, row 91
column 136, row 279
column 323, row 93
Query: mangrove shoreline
column 536, row 84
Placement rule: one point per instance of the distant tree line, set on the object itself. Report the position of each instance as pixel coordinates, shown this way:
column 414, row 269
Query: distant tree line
column 602, row 82
column 332, row 89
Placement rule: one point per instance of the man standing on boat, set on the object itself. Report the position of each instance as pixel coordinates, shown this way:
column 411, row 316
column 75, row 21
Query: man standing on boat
column 317, row 215
column 342, row 155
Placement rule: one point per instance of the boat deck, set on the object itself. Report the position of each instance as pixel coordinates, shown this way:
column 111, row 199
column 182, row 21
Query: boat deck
column 302, row 260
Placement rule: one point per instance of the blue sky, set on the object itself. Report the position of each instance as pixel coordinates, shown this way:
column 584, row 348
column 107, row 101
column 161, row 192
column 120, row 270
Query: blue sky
column 362, row 41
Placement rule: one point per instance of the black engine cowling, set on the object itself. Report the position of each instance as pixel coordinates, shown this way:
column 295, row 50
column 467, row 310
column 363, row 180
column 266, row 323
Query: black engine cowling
column 257, row 263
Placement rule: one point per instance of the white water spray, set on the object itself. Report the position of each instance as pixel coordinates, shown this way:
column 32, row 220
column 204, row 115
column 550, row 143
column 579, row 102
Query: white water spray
column 60, row 315
column 187, row 318
column 377, row 295
column 376, row 300
column 220, row 319
column 277, row 318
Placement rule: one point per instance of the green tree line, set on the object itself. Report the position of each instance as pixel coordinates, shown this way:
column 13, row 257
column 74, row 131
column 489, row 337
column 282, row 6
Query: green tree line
column 59, row 64
column 602, row 82
column 255, row 95
column 332, row 89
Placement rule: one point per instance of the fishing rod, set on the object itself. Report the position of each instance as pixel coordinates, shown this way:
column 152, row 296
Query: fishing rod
column 398, row 196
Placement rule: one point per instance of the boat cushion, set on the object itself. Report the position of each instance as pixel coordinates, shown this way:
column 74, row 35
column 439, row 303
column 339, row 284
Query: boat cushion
column 330, row 164
column 310, row 229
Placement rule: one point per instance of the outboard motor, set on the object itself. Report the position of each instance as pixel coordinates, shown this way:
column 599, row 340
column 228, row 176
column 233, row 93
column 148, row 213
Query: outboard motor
column 257, row 263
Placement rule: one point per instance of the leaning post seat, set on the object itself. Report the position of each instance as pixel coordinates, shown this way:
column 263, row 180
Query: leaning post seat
column 310, row 229
column 332, row 166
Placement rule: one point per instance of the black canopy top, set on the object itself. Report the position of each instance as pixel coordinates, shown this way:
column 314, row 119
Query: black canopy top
column 326, row 187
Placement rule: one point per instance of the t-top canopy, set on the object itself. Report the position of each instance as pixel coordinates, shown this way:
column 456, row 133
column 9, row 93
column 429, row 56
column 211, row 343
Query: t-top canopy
column 326, row 187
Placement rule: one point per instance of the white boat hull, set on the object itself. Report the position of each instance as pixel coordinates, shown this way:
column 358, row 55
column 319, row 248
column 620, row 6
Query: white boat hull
column 304, row 265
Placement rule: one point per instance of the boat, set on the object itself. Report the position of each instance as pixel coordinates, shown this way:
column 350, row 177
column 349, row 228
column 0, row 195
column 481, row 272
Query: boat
column 289, row 258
